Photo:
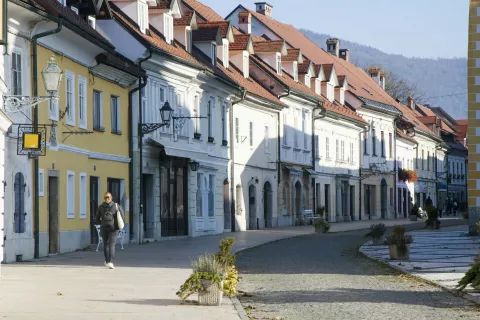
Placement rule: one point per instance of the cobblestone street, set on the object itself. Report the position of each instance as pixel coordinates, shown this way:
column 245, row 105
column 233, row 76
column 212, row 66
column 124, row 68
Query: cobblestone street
column 324, row 277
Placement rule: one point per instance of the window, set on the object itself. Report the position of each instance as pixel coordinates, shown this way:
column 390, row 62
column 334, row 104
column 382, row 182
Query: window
column 70, row 195
column 327, row 147
column 115, row 114
column 423, row 159
column 188, row 40
column 17, row 73
column 19, row 214
column 82, row 102
column 342, row 150
column 285, row 128
column 92, row 21
column 382, row 137
column 199, row 195
column 41, row 182
column 374, row 143
column 390, row 145
column 70, row 96
column 142, row 16
column 304, row 130
column 295, row 132
column 168, row 28
column 307, row 81
column 351, row 153
column 211, row 195
column 237, row 130
column 196, row 113
column 428, row 160
column 83, row 195
column 224, row 124
column 317, row 147
column 279, row 63
column 214, row 54
column 416, row 158
column 337, row 149
column 210, row 120
column 98, row 110
column 365, row 143
column 225, row 57
column 251, row 134
column 267, row 140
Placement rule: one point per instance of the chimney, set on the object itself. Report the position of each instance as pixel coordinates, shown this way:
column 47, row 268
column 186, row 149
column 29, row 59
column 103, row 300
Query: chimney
column 411, row 103
column 333, row 46
column 264, row 8
column 245, row 22
column 375, row 74
column 382, row 80
column 344, row 54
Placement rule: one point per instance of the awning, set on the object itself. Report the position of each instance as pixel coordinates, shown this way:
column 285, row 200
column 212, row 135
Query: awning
column 311, row 172
column 191, row 153
column 292, row 169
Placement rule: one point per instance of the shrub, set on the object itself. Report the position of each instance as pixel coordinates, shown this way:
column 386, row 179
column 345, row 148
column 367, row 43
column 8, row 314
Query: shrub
column 399, row 239
column 227, row 260
column 432, row 216
column 376, row 231
column 320, row 211
column 471, row 277
column 321, row 222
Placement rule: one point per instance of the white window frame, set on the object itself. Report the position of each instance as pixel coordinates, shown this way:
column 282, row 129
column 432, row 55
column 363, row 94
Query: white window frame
column 83, row 195
column 342, row 150
column 70, row 196
column 214, row 54
column 211, row 193
column 337, row 150
column 295, row 71
column 142, row 8
column 246, row 64
column 225, row 58
column 224, row 123
column 188, row 39
column 168, row 25
column 92, row 22
column 19, row 52
column 210, row 117
column 82, row 102
column 327, row 148
column 304, row 130
column 117, row 120
column 70, row 116
column 285, row 129
column 41, row 182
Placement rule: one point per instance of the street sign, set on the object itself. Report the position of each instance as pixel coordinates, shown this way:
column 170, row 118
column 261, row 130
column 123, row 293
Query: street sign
column 3, row 22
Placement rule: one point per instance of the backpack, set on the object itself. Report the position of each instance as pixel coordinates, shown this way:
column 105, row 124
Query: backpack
column 108, row 219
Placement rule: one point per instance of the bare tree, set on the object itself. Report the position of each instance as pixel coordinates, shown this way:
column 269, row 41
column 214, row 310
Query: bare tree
column 401, row 89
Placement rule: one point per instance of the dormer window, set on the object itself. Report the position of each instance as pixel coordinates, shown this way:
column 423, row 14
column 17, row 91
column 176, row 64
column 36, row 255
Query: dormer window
column 92, row 21
column 168, row 23
column 142, row 16
column 214, row 54
column 279, row 63
column 225, row 57
column 188, row 40
column 307, row 80
column 295, row 71
column 246, row 65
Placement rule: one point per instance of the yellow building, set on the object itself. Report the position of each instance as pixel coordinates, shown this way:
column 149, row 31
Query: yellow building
column 474, row 109
column 87, row 151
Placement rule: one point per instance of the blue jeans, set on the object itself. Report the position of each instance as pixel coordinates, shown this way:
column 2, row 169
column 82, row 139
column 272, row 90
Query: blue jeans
column 109, row 240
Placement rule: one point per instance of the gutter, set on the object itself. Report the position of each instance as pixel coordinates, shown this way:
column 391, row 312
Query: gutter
column 367, row 129
column 322, row 114
column 130, row 140
column 232, row 159
column 36, row 212
column 278, row 136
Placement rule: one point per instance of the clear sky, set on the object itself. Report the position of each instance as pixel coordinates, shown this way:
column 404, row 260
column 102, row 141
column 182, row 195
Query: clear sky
column 414, row 28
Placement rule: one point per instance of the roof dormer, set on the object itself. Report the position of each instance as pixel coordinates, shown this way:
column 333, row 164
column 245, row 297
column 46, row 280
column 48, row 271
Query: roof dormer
column 330, row 82
column 161, row 17
column 245, row 22
column 306, row 71
column 240, row 52
column 320, row 76
column 340, row 89
column 226, row 32
column 290, row 62
column 207, row 39
column 271, row 52
column 183, row 27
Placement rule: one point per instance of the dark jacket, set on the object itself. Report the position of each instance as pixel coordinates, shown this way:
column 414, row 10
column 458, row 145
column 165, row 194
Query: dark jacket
column 105, row 207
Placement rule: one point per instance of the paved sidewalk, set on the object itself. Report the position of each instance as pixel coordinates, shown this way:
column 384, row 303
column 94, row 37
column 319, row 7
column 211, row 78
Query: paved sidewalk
column 143, row 286
column 442, row 256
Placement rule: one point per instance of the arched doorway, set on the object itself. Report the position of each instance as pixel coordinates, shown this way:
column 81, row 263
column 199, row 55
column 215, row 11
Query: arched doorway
column 267, row 204
column 298, row 199
column 383, row 198
column 252, row 214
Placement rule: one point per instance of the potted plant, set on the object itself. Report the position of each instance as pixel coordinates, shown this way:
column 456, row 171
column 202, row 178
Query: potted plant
column 377, row 233
column 432, row 221
column 399, row 244
column 206, row 280
column 321, row 225
column 227, row 260
column 472, row 276
column 414, row 214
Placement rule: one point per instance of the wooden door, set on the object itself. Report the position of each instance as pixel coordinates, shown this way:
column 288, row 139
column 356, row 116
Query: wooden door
column 53, row 216
column 94, row 203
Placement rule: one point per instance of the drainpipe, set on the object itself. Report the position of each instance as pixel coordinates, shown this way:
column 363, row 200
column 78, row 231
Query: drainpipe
column 278, row 137
column 367, row 129
column 36, row 209
column 232, row 159
column 130, row 141
column 322, row 114
column 140, row 139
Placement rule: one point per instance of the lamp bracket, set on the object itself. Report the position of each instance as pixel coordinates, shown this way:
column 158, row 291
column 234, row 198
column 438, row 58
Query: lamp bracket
column 179, row 122
column 19, row 103
column 150, row 127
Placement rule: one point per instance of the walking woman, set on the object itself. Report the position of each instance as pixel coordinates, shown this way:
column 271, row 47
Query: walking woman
column 107, row 219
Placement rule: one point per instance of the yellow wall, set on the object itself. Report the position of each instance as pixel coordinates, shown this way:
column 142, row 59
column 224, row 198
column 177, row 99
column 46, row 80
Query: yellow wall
column 473, row 106
column 101, row 142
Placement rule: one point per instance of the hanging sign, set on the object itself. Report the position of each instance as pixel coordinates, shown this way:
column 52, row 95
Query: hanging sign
column 3, row 22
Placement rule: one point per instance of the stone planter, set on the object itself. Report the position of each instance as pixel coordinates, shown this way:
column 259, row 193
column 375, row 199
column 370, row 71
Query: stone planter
column 413, row 217
column 394, row 255
column 212, row 295
column 378, row 241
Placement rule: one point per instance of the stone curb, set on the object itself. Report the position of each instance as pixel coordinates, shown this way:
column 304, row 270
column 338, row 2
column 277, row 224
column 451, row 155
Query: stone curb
column 238, row 306
column 454, row 292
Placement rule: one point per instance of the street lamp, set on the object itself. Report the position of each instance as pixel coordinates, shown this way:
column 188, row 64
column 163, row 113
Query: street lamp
column 52, row 76
column 194, row 165
column 166, row 113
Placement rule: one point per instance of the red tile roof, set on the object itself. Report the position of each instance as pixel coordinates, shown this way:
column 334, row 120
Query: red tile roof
column 405, row 136
column 327, row 69
column 205, row 33
column 341, row 80
column 462, row 122
column 162, row 4
column 223, row 25
column 292, row 55
column 205, row 12
column 428, row 119
column 186, row 20
column 304, row 67
column 425, row 110
column 268, row 46
column 241, row 42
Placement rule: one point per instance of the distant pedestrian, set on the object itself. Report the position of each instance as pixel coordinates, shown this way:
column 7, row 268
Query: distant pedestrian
column 107, row 219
